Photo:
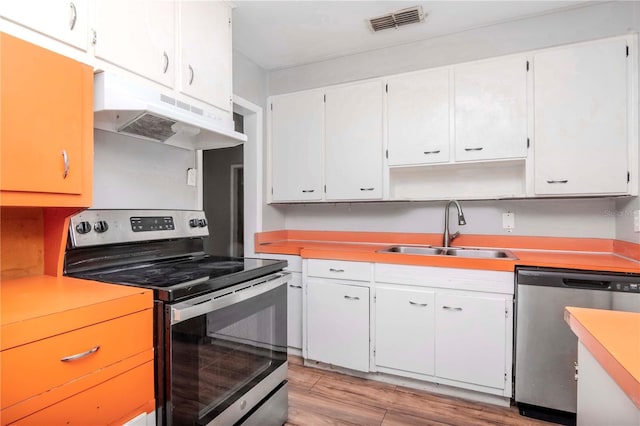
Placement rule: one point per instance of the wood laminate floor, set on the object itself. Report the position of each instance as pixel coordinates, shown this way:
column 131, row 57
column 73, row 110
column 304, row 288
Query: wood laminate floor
column 318, row 397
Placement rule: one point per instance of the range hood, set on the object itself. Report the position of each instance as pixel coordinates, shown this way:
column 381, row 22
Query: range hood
column 131, row 108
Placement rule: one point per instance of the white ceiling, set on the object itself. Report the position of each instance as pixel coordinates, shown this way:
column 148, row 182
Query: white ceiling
column 282, row 34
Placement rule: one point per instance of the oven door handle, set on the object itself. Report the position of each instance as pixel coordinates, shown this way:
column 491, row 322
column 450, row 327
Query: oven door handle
column 221, row 299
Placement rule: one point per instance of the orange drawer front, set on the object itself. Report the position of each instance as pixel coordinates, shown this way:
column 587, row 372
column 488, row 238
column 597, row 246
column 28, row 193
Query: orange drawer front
column 102, row 404
column 37, row 367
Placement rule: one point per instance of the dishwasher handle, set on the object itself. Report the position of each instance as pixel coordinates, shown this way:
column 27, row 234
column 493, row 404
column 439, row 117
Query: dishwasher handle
column 586, row 284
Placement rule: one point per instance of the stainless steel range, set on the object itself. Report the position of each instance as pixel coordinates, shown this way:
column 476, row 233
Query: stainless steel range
column 220, row 322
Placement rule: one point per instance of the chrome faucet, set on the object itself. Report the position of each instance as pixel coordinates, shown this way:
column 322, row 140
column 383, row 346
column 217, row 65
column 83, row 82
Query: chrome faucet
column 446, row 238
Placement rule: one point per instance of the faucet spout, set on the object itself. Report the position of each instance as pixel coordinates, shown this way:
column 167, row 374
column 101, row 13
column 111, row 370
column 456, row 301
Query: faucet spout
column 446, row 236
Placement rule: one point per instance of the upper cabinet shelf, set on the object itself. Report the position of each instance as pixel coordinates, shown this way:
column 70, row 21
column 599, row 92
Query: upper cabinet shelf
column 507, row 127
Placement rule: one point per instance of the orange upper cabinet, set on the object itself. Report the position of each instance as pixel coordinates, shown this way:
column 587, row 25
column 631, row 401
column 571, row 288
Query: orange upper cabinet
column 46, row 134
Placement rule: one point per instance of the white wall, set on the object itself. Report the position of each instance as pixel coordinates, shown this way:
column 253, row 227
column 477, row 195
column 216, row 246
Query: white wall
column 131, row 173
column 598, row 218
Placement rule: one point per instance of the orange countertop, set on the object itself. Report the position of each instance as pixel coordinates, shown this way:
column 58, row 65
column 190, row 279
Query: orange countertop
column 33, row 308
column 572, row 253
column 613, row 338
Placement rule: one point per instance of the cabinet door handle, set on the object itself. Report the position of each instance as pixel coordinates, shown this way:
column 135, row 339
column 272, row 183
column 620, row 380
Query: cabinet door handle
column 335, row 270
column 80, row 355
column 295, row 286
column 367, row 189
column 417, row 304
column 74, row 16
column 166, row 62
column 308, row 190
column 450, row 308
column 557, row 181
column 191, row 75
column 351, row 297
column 474, row 149
column 437, row 151
column 65, row 159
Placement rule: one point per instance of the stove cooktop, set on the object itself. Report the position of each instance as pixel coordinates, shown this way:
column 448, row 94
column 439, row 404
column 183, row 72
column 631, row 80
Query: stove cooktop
column 175, row 279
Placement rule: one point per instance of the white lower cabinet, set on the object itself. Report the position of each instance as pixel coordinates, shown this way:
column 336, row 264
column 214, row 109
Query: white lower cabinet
column 405, row 329
column 470, row 339
column 294, row 311
column 444, row 325
column 338, row 323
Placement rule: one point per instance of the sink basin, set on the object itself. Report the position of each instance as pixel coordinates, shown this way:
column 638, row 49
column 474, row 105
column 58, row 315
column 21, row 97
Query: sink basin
column 479, row 253
column 413, row 250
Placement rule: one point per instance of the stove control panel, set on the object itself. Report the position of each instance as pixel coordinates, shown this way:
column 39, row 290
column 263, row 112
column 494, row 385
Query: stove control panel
column 144, row 224
column 99, row 227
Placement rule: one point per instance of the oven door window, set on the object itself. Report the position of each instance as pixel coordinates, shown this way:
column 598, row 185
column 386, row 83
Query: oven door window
column 219, row 356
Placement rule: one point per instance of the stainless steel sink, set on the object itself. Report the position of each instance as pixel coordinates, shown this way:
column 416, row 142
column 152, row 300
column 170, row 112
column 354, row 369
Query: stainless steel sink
column 468, row 252
column 413, row 250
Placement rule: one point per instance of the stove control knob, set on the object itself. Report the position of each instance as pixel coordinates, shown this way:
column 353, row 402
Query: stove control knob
column 202, row 223
column 83, row 227
column 101, row 226
column 193, row 223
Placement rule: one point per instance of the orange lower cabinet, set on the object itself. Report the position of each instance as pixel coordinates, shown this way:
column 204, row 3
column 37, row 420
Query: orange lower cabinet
column 103, row 404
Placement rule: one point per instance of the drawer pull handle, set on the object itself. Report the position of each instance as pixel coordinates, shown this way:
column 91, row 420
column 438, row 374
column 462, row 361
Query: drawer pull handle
column 295, row 286
column 335, row 270
column 65, row 159
column 191, row 75
column 80, row 355
column 367, row 189
column 308, row 190
column 432, row 152
column 351, row 297
column 474, row 149
column 417, row 304
column 450, row 308
column 558, row 181
column 166, row 62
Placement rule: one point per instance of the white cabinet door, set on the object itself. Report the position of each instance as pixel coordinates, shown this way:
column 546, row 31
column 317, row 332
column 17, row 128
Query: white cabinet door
column 470, row 339
column 138, row 36
column 418, row 118
column 63, row 20
column 491, row 109
column 338, row 324
column 581, row 119
column 297, row 129
column 294, row 311
column 405, row 329
column 205, row 52
column 353, row 144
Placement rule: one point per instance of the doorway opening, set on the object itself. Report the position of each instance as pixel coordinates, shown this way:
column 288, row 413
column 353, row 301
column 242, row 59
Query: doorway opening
column 223, row 197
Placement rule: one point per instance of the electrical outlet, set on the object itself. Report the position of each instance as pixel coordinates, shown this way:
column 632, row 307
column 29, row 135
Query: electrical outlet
column 508, row 221
column 636, row 221
column 191, row 177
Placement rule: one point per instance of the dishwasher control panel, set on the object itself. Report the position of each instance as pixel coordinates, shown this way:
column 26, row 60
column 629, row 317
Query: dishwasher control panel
column 630, row 287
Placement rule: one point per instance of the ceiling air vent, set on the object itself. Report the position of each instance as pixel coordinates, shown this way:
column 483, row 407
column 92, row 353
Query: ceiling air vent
column 411, row 15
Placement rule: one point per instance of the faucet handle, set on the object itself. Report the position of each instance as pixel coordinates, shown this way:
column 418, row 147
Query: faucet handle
column 454, row 236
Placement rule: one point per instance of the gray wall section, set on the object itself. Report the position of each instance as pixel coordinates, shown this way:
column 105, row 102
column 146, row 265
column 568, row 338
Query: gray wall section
column 131, row 173
column 597, row 218
column 216, row 196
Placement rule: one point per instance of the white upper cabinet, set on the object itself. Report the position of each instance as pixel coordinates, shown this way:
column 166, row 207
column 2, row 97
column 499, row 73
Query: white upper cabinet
column 138, row 36
column 353, row 143
column 418, row 118
column 205, row 52
column 582, row 118
column 491, row 109
column 297, row 130
column 63, row 20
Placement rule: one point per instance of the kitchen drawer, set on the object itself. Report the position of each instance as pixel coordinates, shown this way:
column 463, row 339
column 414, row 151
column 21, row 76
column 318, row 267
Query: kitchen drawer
column 104, row 404
column 32, row 369
column 339, row 269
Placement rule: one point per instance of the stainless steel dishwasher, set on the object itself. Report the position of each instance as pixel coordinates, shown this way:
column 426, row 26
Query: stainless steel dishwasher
column 546, row 349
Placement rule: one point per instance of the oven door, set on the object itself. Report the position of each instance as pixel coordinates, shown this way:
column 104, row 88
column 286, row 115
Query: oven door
column 228, row 355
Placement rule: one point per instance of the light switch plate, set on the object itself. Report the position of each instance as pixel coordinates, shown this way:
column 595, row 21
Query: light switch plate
column 191, row 177
column 508, row 221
